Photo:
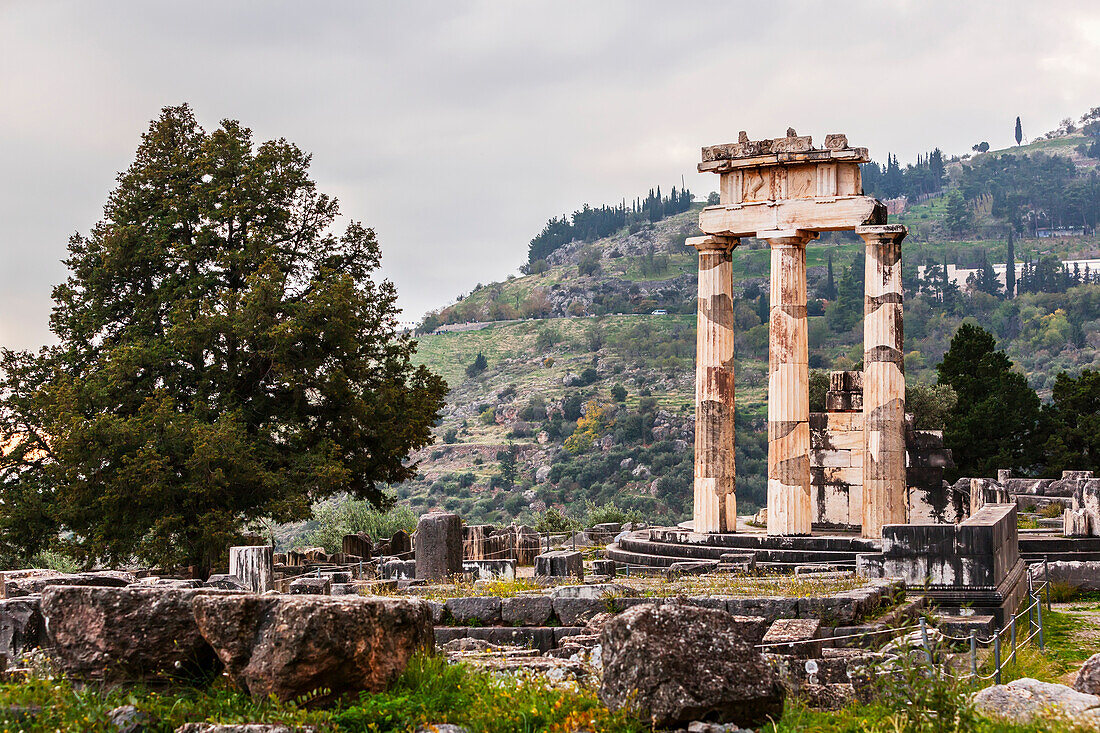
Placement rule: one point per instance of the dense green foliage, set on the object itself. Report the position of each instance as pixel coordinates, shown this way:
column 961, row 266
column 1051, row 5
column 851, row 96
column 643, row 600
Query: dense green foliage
column 1074, row 424
column 223, row 356
column 332, row 520
column 889, row 181
column 996, row 420
column 588, row 224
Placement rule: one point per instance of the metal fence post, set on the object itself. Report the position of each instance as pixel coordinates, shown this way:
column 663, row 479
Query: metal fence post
column 924, row 638
column 1013, row 629
column 997, row 657
column 973, row 653
column 1039, row 614
column 1046, row 577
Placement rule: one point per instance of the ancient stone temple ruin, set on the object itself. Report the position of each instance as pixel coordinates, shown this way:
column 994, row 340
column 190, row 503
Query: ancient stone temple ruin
column 785, row 192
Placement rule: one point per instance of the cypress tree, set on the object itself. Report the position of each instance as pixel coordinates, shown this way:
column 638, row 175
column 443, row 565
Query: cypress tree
column 1010, row 265
column 1019, row 131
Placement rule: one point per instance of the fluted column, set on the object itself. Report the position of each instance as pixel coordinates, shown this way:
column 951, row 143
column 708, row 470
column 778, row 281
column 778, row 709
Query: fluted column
column 789, row 501
column 715, row 501
column 884, row 495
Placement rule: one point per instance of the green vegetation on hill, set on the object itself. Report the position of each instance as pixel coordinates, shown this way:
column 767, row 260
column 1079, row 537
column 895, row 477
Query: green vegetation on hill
column 589, row 307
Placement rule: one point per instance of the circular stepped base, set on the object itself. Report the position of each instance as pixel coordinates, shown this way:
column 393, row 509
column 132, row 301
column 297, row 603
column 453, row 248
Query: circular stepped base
column 662, row 547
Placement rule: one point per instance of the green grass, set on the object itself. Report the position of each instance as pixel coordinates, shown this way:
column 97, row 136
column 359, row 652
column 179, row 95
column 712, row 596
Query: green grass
column 430, row 691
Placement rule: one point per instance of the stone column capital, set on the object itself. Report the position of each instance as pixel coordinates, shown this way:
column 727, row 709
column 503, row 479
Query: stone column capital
column 884, row 233
column 713, row 243
column 787, row 237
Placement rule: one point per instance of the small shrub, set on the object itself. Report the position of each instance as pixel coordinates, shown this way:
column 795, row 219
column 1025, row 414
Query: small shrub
column 553, row 520
column 618, row 393
column 1052, row 511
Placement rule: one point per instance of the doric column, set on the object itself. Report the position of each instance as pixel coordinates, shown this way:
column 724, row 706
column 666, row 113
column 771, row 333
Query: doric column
column 715, row 503
column 884, row 495
column 789, row 503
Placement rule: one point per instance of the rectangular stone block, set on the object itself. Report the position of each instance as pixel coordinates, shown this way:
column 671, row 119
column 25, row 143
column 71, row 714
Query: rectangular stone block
column 560, row 564
column 797, row 637
column 484, row 610
column 769, row 608
column 526, row 610
column 311, row 586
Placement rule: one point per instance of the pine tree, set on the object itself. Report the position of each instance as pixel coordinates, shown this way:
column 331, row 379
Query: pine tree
column 223, row 355
column 996, row 422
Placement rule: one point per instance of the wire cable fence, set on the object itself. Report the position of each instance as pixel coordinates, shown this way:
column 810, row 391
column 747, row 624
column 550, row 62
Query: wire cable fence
column 1024, row 627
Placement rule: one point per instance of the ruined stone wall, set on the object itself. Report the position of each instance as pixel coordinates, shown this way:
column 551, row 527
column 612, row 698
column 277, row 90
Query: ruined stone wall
column 836, row 464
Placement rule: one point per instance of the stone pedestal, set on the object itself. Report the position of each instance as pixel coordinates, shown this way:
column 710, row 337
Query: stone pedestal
column 789, row 504
column 438, row 546
column 715, row 501
column 884, row 499
column 254, row 566
column 973, row 567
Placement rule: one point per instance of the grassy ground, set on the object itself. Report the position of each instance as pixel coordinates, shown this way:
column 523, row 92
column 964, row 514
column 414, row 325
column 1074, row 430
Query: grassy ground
column 431, row 691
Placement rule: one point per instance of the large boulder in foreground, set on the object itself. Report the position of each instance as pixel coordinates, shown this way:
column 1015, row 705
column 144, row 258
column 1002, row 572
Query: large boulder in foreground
column 1088, row 677
column 677, row 663
column 293, row 645
column 1026, row 701
column 126, row 634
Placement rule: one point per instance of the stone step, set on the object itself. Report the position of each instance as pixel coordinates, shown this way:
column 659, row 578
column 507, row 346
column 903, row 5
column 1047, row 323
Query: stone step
column 679, row 552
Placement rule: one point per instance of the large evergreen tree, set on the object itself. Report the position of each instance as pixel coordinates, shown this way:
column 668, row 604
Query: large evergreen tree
column 1074, row 415
column 223, row 356
column 996, row 421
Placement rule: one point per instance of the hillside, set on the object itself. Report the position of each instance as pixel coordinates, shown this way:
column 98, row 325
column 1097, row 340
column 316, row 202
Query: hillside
column 570, row 338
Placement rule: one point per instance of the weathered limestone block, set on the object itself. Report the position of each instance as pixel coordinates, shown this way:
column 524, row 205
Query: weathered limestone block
column 400, row 543
column 796, row 637
column 398, row 569
column 527, row 545
column 1075, row 523
column 125, row 634
column 244, row 728
column 34, row 584
column 1081, row 574
column 491, row 569
column 526, row 610
column 357, row 544
column 224, row 581
column 484, row 610
column 438, row 546
column 254, row 565
column 286, row 646
column 21, row 627
column 768, row 608
column 676, row 663
column 560, row 564
column 310, row 586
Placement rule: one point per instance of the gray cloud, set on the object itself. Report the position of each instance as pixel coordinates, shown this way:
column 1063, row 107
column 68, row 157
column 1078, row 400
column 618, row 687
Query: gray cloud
column 457, row 129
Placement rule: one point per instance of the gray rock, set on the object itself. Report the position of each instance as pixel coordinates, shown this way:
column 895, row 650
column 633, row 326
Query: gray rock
column 439, row 611
column 225, row 581
column 438, row 546
column 442, row 728
column 21, row 626
column 542, row 475
column 128, row 719
column 126, row 634
column 1088, row 677
column 678, row 663
column 483, row 609
column 289, row 646
column 1026, row 700
column 310, row 586
column 526, row 610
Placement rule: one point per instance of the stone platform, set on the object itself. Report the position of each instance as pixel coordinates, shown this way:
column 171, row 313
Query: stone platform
column 663, row 546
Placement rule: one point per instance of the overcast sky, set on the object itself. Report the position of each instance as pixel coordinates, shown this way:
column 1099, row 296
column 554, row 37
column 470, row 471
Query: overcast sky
column 456, row 129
